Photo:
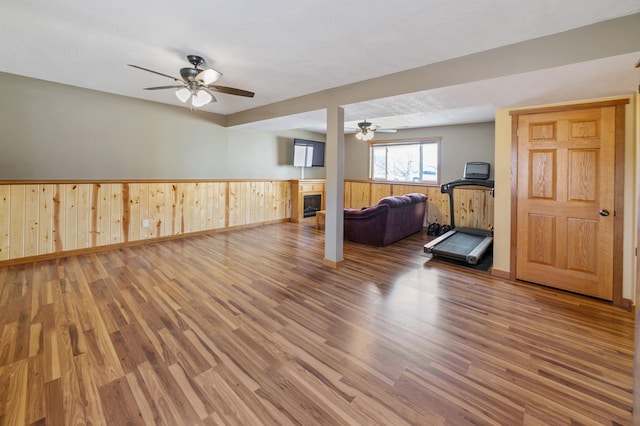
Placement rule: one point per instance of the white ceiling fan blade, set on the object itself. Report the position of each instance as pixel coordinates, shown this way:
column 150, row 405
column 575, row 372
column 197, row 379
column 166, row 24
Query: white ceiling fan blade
column 208, row 76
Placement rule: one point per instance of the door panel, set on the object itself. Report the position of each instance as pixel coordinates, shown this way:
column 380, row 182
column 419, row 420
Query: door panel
column 542, row 237
column 565, row 177
column 583, row 175
column 542, row 178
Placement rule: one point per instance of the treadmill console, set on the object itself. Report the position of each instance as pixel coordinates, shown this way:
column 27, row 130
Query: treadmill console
column 476, row 170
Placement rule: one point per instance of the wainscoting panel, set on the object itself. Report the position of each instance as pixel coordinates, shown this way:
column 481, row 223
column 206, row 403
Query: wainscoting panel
column 358, row 194
column 379, row 191
column 257, row 202
column 40, row 219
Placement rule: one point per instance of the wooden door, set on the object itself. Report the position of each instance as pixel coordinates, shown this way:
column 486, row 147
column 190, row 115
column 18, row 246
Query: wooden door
column 565, row 203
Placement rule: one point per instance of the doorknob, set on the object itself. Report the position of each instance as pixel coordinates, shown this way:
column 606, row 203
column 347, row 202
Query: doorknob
column 604, row 212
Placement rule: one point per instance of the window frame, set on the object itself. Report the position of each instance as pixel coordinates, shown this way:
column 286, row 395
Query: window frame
column 417, row 141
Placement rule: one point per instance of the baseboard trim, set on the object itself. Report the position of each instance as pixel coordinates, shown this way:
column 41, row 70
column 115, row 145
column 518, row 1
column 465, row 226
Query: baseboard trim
column 628, row 305
column 500, row 274
column 332, row 263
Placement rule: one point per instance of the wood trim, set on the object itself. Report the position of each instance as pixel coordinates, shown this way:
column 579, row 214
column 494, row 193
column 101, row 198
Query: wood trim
column 514, row 197
column 437, row 139
column 392, row 182
column 628, row 305
column 618, row 202
column 108, row 181
column 227, row 191
column 570, row 107
column 618, row 247
column 636, row 357
column 505, row 275
column 332, row 263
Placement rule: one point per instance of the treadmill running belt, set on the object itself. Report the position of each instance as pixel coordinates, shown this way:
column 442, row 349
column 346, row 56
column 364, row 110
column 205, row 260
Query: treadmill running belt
column 460, row 244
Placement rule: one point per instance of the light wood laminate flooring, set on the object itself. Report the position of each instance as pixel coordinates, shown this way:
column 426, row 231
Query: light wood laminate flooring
column 248, row 327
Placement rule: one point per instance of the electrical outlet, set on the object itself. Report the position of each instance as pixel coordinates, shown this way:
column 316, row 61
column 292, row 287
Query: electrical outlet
column 145, row 223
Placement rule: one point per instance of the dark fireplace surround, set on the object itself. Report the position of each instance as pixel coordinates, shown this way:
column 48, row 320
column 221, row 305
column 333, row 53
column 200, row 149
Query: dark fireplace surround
column 312, row 204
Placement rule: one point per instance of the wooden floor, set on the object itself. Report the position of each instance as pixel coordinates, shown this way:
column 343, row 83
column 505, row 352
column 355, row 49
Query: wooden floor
column 248, row 327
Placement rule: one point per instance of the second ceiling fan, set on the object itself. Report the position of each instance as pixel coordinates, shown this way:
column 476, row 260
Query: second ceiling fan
column 366, row 130
column 196, row 85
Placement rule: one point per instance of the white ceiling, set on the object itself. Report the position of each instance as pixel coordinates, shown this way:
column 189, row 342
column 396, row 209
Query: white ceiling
column 284, row 49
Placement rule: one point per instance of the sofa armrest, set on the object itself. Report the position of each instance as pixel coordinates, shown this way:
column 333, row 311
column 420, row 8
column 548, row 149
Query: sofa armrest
column 366, row 226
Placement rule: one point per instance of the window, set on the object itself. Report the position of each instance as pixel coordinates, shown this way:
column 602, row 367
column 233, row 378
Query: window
column 406, row 161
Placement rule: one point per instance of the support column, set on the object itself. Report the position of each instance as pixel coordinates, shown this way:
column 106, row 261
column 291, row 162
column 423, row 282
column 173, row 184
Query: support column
column 334, row 168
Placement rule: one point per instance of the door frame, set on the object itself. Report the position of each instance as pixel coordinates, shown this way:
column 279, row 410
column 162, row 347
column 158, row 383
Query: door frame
column 618, row 224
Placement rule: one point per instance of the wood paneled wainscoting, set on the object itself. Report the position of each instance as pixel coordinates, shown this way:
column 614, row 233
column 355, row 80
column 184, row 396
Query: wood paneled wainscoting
column 40, row 220
column 45, row 219
column 473, row 205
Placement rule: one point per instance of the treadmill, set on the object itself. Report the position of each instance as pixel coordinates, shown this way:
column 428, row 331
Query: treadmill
column 466, row 244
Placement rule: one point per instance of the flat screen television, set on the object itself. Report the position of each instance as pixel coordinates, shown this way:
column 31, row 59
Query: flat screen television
column 308, row 153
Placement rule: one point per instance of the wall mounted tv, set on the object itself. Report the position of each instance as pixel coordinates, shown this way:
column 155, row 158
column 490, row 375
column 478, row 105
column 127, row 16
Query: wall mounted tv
column 308, row 153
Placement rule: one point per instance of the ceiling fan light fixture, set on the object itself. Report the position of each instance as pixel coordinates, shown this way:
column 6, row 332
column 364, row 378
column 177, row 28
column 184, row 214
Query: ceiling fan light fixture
column 183, row 94
column 201, row 98
column 208, row 76
column 364, row 136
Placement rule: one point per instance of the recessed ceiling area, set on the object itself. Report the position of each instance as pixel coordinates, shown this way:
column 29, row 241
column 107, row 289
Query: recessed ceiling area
column 476, row 102
column 285, row 50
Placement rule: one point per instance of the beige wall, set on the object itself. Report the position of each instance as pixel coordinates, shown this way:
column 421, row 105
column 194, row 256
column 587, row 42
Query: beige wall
column 502, row 198
column 460, row 144
column 502, row 220
column 53, row 131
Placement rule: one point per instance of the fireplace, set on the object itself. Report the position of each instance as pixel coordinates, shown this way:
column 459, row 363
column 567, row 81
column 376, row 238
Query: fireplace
column 312, row 203
column 301, row 206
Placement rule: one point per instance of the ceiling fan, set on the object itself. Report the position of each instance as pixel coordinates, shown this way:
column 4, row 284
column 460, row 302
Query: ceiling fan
column 367, row 130
column 196, row 83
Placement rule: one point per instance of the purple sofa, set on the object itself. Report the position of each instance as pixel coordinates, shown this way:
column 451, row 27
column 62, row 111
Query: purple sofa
column 392, row 219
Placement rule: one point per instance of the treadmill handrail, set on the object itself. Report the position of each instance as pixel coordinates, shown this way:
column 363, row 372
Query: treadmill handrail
column 447, row 188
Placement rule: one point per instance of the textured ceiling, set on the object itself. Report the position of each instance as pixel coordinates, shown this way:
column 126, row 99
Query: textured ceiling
column 285, row 49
